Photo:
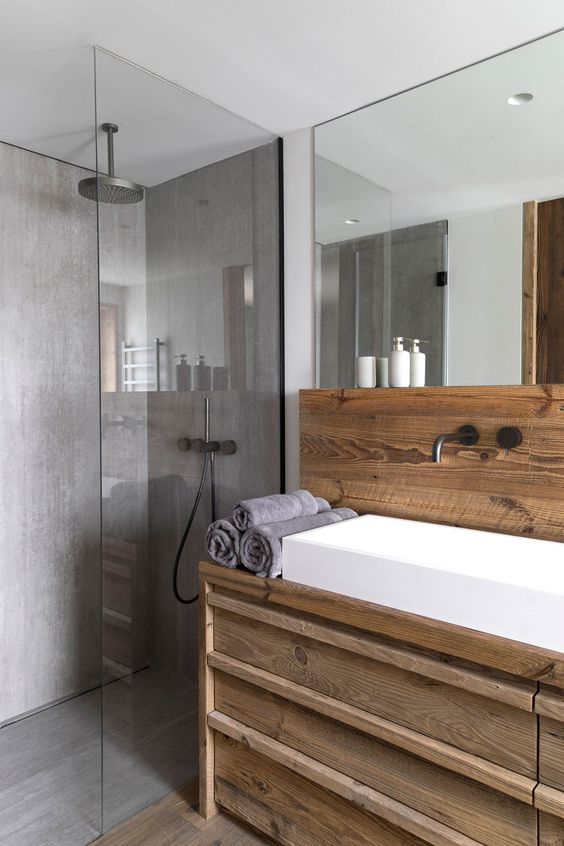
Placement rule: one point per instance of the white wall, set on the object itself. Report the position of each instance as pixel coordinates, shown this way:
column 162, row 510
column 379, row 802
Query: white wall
column 299, row 308
column 484, row 331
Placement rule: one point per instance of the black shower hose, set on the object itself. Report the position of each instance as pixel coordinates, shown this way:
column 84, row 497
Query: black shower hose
column 191, row 519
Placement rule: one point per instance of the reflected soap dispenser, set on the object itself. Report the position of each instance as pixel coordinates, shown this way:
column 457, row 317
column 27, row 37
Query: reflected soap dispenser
column 416, row 364
column 183, row 374
column 398, row 365
column 202, row 374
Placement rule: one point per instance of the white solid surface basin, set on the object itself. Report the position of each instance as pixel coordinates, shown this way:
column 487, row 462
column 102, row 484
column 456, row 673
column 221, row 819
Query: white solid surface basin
column 501, row 584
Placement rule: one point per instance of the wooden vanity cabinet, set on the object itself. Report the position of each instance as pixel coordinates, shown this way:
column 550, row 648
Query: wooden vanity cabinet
column 325, row 720
column 549, row 795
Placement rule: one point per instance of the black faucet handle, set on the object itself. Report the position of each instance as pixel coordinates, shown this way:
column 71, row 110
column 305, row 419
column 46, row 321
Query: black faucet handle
column 469, row 435
column 509, row 437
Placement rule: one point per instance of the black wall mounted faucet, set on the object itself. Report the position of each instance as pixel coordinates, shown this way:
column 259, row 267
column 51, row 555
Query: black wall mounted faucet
column 467, row 435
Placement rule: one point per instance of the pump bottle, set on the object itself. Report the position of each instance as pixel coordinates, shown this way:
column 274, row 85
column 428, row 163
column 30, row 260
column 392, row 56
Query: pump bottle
column 398, row 365
column 416, row 365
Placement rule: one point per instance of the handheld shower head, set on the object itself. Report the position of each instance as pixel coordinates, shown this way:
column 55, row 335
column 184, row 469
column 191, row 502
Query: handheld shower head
column 110, row 189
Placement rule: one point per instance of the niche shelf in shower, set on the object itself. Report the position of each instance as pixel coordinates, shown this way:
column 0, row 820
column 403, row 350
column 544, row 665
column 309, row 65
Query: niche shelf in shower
column 131, row 366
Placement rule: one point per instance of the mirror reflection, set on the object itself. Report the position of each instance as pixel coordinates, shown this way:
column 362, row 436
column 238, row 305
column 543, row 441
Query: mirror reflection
column 439, row 218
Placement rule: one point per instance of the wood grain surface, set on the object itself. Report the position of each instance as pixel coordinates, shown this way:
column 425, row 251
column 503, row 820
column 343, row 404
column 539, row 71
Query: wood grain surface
column 481, row 813
column 370, row 449
column 480, row 726
column 551, row 830
column 440, row 667
column 293, row 808
column 428, row 748
column 550, row 298
column 517, row 659
column 529, row 324
column 208, row 807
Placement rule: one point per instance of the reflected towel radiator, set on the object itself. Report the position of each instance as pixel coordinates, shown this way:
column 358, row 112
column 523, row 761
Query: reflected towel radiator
column 129, row 366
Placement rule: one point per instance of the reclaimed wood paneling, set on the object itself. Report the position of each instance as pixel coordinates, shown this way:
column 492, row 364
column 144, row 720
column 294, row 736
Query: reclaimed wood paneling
column 529, row 326
column 517, row 659
column 549, row 705
column 294, row 809
column 550, row 298
column 334, row 721
column 461, row 804
column 482, row 727
column 429, row 749
column 551, row 830
column 208, row 807
column 371, row 450
column 504, row 688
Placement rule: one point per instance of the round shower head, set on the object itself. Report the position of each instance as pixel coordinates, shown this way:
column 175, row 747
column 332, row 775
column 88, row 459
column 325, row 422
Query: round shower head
column 110, row 189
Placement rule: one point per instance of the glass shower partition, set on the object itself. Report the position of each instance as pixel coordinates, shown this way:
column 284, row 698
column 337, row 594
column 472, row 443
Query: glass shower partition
column 189, row 310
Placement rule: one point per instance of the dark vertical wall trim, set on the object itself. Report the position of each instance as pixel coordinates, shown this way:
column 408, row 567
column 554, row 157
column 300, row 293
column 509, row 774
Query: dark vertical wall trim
column 282, row 320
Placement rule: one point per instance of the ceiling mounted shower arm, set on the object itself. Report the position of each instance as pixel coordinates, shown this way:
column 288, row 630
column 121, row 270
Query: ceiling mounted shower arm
column 110, row 129
column 109, row 188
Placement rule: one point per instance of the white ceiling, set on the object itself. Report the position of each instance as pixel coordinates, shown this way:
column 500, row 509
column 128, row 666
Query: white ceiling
column 449, row 148
column 281, row 65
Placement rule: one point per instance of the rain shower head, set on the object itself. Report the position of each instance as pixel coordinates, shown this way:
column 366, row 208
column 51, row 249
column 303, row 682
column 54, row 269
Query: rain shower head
column 110, row 189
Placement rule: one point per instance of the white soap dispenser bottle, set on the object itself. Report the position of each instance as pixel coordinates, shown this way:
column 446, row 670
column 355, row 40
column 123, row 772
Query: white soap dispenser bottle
column 398, row 366
column 416, row 365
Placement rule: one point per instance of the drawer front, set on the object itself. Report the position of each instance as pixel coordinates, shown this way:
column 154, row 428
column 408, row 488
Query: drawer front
column 549, row 705
column 551, row 753
column 481, row 813
column 483, row 727
column 551, row 830
column 290, row 808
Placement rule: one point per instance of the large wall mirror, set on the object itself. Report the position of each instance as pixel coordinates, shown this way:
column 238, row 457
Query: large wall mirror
column 440, row 216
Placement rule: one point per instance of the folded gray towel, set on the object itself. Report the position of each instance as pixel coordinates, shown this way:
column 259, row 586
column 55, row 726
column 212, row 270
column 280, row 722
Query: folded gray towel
column 261, row 546
column 223, row 541
column 275, row 508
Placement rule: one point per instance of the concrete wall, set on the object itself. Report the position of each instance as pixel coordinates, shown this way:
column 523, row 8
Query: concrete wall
column 485, row 269
column 49, row 434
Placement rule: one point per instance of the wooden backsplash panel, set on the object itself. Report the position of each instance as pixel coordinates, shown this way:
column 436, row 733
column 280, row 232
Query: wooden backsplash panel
column 370, row 449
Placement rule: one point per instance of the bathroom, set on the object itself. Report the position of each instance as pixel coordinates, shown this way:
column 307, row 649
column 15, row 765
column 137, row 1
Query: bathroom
column 206, row 268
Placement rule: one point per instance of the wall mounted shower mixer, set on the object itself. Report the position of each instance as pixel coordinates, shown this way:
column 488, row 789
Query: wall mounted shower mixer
column 209, row 449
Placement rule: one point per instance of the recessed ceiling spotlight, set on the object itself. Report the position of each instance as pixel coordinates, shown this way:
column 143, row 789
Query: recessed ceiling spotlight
column 520, row 99
column 352, row 220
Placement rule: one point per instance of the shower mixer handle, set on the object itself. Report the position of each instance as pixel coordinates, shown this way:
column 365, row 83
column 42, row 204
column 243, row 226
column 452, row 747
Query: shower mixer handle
column 200, row 445
column 228, row 447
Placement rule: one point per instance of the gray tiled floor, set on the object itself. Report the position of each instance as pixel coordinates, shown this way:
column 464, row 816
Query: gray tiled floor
column 51, row 762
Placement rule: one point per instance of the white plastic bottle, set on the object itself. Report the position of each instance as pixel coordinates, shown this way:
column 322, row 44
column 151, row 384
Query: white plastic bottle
column 416, row 365
column 398, row 365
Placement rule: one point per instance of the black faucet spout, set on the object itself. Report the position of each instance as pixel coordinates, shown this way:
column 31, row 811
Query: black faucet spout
column 467, row 435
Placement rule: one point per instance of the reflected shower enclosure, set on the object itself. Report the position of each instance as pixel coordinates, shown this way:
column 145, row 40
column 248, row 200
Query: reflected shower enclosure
column 139, row 276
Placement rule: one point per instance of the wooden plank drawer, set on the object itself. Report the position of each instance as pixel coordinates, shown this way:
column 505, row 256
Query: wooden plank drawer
column 261, row 792
column 551, row 830
column 482, row 726
column 549, row 705
column 483, row 814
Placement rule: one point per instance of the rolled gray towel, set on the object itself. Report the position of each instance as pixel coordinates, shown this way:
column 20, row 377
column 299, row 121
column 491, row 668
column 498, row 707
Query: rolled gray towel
column 261, row 546
column 223, row 541
column 276, row 508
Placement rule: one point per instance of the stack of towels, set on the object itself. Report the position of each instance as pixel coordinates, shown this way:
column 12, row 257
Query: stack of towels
column 253, row 535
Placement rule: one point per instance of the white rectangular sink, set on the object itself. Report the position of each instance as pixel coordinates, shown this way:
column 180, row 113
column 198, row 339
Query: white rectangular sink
column 501, row 584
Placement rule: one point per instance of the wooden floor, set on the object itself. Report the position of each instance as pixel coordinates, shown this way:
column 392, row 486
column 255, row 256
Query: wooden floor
column 175, row 820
